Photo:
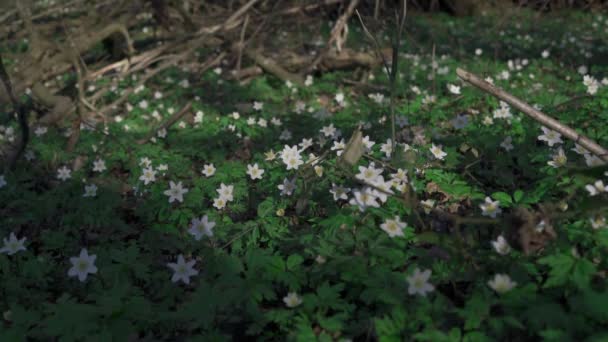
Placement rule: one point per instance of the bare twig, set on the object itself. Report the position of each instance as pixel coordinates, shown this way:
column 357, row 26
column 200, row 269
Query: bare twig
column 400, row 17
column 336, row 32
column 535, row 114
column 241, row 46
column 376, row 43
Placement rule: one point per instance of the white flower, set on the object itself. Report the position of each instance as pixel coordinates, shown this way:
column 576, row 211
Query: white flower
column 2, row 181
column 90, row 190
column 400, row 176
column 185, row 83
column 478, row 52
column 369, row 174
column 209, row 170
column 300, row 107
column 504, row 112
column 545, row 54
column 64, row 173
column 258, row 105
column 182, row 270
column 507, row 143
column 591, row 83
column 428, row 205
column 501, row 246
column 201, row 227
column 40, row 131
column 339, row 192
column 339, row 98
column 338, row 147
column 285, row 135
column 254, row 171
column 382, row 189
column 419, row 283
column 270, row 155
column 580, row 149
column 393, row 227
column 308, row 81
column 82, row 265
column 559, row 159
column 291, row 157
column 176, row 192
column 99, row 165
column 306, row 143
column 319, row 170
column 364, row 198
column 225, row 192
column 368, row 143
column 219, row 203
column 148, row 175
column 402, row 121
column 596, row 188
column 12, row 245
column 198, row 117
column 377, row 97
column 460, row 121
column 454, row 89
column 276, row 121
column 328, row 131
column 145, row 162
column 428, row 99
column 592, row 160
column 490, row 208
column 597, row 222
column 162, row 133
column 387, row 148
column 437, row 152
column 550, row 136
column 501, row 283
column 288, row 187
column 292, row 300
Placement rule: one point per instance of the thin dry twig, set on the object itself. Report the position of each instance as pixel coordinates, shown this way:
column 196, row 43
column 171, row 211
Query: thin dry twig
column 336, row 32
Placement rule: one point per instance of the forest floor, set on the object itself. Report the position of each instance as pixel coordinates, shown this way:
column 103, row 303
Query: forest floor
column 219, row 209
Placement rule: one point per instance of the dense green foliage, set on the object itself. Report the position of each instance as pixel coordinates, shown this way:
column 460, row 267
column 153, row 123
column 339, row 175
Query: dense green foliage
column 347, row 276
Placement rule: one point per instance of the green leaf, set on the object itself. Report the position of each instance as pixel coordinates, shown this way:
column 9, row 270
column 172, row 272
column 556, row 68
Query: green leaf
column 582, row 272
column 294, row 261
column 561, row 266
column 504, row 198
column 518, row 195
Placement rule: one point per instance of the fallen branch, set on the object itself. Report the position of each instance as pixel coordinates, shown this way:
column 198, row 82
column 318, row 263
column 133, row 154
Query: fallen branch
column 535, row 114
column 272, row 67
